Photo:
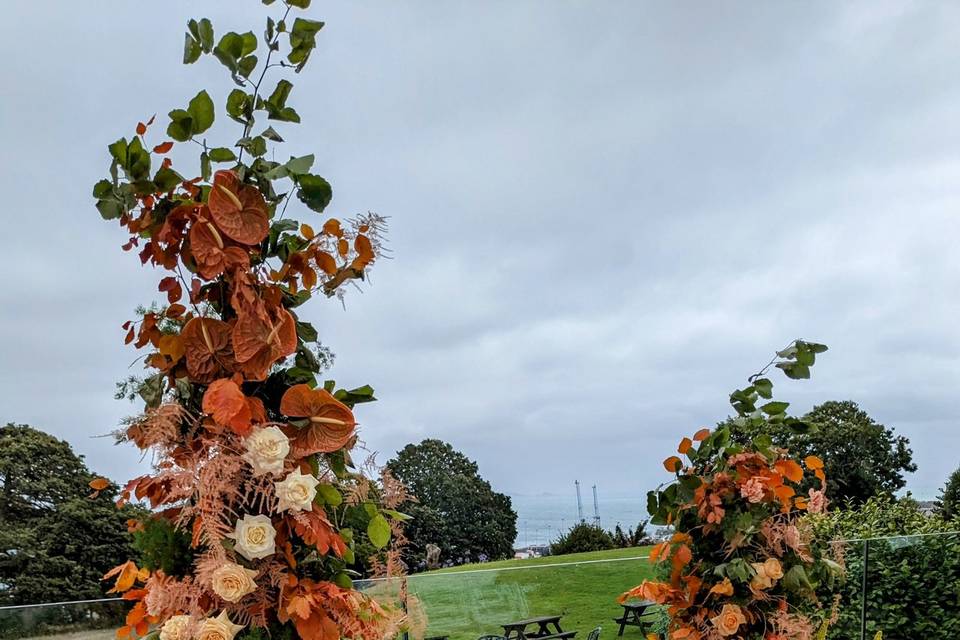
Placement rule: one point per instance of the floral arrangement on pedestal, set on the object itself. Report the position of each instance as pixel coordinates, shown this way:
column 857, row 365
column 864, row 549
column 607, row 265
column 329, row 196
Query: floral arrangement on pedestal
column 259, row 511
column 740, row 564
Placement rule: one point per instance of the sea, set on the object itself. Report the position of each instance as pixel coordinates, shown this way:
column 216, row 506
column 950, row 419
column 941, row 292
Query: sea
column 543, row 517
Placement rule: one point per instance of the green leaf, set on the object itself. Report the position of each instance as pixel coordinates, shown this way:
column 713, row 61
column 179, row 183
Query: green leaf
column 292, row 168
column 205, row 170
column 255, row 146
column 314, row 191
column 329, row 495
column 103, row 189
column 233, row 52
column 794, row 370
column 763, row 387
column 306, row 332
column 152, row 390
column 110, row 209
column 206, row 35
column 275, row 105
column 378, row 530
column 246, row 65
column 270, row 134
column 201, row 111
column 796, row 580
column 303, row 40
column 239, row 106
column 166, row 179
column 397, row 515
column 355, row 396
column 181, row 125
column 774, row 408
column 300, row 4
column 222, row 154
column 191, row 49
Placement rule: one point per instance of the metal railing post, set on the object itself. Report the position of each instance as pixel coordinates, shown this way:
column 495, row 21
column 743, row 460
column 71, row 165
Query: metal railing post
column 863, row 590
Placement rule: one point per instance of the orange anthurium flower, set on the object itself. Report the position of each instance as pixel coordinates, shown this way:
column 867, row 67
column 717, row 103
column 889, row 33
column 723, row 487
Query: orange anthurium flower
column 239, row 210
column 331, row 422
column 206, row 343
column 261, row 338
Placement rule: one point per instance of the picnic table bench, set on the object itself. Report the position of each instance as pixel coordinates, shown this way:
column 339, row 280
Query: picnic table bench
column 633, row 613
column 541, row 629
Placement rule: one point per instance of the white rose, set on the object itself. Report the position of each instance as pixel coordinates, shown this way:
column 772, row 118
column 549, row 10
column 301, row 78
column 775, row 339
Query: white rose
column 176, row 628
column 231, row 582
column 254, row 537
column 296, row 492
column 266, row 450
column 219, row 628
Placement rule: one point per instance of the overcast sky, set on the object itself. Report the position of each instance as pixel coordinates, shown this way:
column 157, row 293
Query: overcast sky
column 605, row 215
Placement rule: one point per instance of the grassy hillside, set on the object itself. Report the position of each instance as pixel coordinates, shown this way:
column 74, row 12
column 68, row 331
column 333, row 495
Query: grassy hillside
column 469, row 601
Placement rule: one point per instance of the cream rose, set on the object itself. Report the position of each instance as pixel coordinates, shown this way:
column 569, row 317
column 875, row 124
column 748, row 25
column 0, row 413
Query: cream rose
column 760, row 580
column 266, row 450
column 728, row 621
column 231, row 582
column 176, row 628
column 219, row 628
column 296, row 492
column 254, row 537
column 773, row 568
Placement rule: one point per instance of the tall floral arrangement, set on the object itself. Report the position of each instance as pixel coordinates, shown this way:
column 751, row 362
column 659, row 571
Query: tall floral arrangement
column 258, row 508
column 740, row 563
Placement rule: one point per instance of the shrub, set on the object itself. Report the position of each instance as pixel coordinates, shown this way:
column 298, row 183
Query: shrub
column 913, row 583
column 582, row 537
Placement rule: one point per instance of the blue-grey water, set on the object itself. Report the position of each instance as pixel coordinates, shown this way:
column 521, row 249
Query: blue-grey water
column 541, row 518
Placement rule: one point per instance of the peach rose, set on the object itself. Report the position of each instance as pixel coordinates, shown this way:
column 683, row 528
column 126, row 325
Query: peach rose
column 752, row 490
column 231, row 582
column 176, row 628
column 219, row 628
column 728, row 621
column 773, row 568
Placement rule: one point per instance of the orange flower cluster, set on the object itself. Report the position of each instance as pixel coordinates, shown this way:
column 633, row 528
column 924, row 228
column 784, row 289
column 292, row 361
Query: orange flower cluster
column 740, row 554
column 229, row 434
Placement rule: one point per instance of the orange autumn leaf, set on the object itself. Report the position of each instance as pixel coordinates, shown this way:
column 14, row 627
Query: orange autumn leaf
column 326, row 262
column 343, row 248
column 238, row 210
column 163, row 147
column 364, row 249
column 99, row 484
column 685, row 445
column 672, row 464
column 813, row 462
column 260, row 339
column 206, row 343
column 226, row 403
column 332, row 228
column 789, row 469
column 331, row 422
column 701, row 435
column 126, row 574
column 307, row 231
column 724, row 588
column 171, row 346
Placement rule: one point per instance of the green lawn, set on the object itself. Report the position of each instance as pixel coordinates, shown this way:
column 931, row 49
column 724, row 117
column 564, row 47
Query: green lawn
column 469, row 601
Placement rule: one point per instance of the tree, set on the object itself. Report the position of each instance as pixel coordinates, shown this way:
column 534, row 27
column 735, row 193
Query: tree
column 455, row 508
column 583, row 537
column 862, row 458
column 55, row 540
column 948, row 503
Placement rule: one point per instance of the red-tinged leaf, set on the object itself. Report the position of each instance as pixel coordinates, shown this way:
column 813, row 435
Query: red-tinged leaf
column 141, row 128
column 673, row 464
column 163, row 147
column 701, row 435
column 176, row 310
column 685, row 445
column 131, row 334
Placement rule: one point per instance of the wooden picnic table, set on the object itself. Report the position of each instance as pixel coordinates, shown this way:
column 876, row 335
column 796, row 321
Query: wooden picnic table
column 633, row 613
column 541, row 629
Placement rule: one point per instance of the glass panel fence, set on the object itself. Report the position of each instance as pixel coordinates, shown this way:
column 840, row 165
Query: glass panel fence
column 90, row 620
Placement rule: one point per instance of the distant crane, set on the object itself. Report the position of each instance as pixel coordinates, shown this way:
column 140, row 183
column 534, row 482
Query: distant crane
column 579, row 502
column 596, row 508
